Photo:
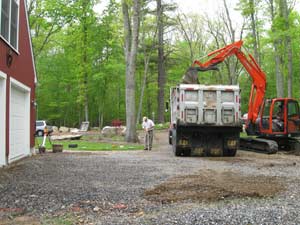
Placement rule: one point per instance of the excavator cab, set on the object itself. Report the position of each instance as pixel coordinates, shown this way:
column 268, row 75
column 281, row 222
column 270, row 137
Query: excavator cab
column 279, row 117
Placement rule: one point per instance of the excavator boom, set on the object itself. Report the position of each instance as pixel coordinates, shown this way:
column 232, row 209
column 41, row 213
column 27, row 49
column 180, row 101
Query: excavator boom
column 258, row 76
column 273, row 132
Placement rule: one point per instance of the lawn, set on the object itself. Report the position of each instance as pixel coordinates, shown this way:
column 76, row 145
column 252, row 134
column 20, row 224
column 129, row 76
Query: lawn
column 90, row 145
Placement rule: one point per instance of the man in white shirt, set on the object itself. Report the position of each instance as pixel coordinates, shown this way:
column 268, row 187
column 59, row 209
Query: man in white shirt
column 148, row 127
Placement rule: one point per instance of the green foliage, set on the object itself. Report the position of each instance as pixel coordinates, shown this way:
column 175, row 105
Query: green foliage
column 88, row 145
column 58, row 31
column 65, row 219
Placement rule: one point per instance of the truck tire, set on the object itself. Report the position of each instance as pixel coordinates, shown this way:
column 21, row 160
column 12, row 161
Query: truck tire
column 230, row 152
column 187, row 152
column 170, row 137
column 40, row 133
column 177, row 150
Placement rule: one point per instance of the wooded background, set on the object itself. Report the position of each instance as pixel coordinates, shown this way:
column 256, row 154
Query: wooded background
column 101, row 67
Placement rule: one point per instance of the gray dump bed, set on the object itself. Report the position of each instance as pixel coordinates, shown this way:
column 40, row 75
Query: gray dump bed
column 205, row 104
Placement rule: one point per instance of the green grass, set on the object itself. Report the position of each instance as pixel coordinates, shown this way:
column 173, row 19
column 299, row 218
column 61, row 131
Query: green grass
column 66, row 219
column 90, row 145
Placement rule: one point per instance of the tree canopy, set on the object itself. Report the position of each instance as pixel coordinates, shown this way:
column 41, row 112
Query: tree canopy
column 84, row 72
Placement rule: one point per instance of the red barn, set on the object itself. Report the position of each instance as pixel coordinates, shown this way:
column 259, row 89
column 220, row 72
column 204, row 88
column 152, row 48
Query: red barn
column 17, row 83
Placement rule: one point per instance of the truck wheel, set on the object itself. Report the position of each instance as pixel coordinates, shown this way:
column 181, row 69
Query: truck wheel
column 187, row 152
column 177, row 151
column 170, row 137
column 230, row 152
column 40, row 133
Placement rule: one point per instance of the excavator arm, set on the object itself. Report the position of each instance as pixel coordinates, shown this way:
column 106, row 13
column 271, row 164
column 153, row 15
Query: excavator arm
column 258, row 76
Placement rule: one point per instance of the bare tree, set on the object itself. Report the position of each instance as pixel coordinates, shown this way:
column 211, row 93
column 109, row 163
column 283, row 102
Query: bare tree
column 160, row 64
column 147, row 51
column 85, row 57
column 278, row 57
column 131, row 29
column 288, row 43
column 224, row 32
column 255, row 34
column 191, row 28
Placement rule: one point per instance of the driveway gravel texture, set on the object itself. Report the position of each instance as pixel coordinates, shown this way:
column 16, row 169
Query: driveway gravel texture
column 152, row 187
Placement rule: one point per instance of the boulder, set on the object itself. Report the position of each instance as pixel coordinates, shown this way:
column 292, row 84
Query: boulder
column 55, row 129
column 74, row 130
column 122, row 130
column 64, row 129
column 110, row 131
column 66, row 137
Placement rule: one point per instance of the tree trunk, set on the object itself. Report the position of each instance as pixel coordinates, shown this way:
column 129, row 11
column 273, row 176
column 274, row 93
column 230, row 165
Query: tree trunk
column 187, row 38
column 146, row 65
column 278, row 60
column 290, row 66
column 147, row 56
column 288, row 44
column 131, row 44
column 161, row 65
column 85, row 61
column 254, row 30
column 231, row 61
column 278, row 68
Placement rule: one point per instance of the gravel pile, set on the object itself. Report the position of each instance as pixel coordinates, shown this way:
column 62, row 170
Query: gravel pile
column 109, row 187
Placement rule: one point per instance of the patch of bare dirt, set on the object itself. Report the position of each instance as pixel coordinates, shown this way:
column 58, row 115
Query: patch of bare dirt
column 229, row 159
column 278, row 164
column 209, row 186
column 21, row 220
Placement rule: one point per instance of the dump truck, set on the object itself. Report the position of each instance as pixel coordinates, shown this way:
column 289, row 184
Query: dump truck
column 205, row 120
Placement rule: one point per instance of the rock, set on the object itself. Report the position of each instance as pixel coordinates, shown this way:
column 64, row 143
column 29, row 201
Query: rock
column 96, row 209
column 123, row 131
column 74, row 130
column 64, row 129
column 66, row 137
column 109, row 131
column 55, row 129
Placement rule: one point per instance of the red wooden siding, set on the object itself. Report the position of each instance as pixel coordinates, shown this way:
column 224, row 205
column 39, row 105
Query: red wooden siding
column 22, row 69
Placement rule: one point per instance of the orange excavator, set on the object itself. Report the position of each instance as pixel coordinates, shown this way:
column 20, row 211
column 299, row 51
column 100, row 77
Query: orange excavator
column 275, row 122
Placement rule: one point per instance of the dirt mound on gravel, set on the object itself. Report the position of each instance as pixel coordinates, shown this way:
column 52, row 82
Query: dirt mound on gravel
column 213, row 186
column 22, row 220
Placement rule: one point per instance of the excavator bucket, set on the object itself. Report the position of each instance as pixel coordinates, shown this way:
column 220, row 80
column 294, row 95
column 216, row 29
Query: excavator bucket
column 190, row 76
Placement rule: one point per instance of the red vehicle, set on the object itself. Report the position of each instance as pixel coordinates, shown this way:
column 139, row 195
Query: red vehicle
column 275, row 121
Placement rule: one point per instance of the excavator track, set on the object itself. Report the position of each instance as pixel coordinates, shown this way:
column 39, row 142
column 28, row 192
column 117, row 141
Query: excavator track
column 259, row 144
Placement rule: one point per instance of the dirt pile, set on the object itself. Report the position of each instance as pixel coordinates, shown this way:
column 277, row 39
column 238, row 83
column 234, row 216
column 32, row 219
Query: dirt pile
column 209, row 185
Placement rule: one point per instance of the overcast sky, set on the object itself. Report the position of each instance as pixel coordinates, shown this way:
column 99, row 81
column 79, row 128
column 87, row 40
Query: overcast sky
column 202, row 7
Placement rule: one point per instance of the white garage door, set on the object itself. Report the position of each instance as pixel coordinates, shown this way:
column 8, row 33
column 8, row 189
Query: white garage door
column 2, row 118
column 19, row 131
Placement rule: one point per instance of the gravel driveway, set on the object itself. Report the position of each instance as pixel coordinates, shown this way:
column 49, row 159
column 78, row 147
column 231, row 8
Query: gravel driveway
column 152, row 187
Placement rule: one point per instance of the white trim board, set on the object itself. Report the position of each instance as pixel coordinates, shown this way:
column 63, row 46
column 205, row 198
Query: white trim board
column 28, row 28
column 3, row 75
column 19, row 85
column 3, row 160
